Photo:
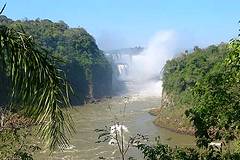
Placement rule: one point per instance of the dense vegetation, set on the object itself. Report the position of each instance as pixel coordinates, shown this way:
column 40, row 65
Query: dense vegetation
column 87, row 70
column 180, row 76
column 37, row 96
column 39, row 59
column 216, row 107
column 160, row 151
column 204, row 87
column 181, row 73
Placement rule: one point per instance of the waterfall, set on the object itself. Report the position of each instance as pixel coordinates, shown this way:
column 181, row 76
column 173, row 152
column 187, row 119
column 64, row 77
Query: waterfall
column 122, row 71
column 139, row 70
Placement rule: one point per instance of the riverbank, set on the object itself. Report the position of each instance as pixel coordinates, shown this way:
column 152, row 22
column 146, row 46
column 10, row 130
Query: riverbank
column 172, row 119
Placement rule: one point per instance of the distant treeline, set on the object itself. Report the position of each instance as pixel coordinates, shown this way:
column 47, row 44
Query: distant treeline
column 86, row 68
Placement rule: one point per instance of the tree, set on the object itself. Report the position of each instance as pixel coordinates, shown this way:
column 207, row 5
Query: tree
column 39, row 89
column 78, row 49
column 215, row 113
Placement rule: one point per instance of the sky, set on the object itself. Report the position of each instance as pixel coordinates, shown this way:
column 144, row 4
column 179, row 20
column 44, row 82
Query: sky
column 129, row 23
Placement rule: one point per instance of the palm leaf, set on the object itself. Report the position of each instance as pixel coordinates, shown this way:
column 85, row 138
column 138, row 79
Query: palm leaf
column 39, row 88
column 3, row 8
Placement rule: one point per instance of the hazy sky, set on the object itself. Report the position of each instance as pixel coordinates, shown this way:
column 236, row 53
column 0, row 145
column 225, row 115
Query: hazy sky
column 129, row 23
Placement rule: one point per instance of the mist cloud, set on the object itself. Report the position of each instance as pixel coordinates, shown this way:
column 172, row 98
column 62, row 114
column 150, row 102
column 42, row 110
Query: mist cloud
column 145, row 68
column 149, row 63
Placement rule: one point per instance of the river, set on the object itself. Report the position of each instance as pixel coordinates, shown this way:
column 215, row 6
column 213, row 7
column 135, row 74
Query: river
column 89, row 117
column 139, row 75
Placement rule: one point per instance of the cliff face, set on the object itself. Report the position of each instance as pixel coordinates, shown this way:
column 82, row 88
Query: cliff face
column 77, row 78
column 102, row 80
column 86, row 68
column 166, row 100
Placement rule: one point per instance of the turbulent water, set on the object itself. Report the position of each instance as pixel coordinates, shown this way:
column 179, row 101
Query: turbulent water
column 95, row 116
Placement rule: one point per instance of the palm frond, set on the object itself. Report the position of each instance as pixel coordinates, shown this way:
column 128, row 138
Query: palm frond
column 39, row 88
column 3, row 8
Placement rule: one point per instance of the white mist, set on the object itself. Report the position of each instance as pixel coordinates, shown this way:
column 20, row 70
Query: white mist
column 145, row 68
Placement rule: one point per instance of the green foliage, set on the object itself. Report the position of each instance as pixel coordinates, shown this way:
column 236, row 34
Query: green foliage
column 206, row 83
column 215, row 113
column 34, row 84
column 78, row 49
column 62, row 41
column 160, row 151
column 200, row 79
column 39, row 88
column 233, row 60
column 15, row 143
column 181, row 73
